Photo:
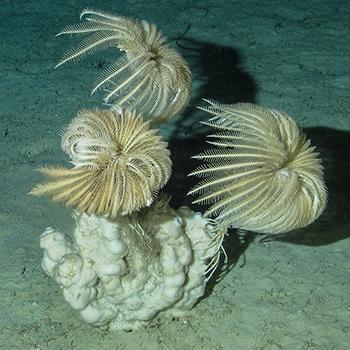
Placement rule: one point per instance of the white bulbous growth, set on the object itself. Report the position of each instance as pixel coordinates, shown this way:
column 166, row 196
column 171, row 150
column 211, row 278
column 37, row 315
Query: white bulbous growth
column 123, row 272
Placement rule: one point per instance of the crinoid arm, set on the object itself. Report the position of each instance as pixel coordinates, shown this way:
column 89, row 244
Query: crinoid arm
column 214, row 250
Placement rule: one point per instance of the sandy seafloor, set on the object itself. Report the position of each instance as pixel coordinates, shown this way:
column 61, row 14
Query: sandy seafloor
column 290, row 55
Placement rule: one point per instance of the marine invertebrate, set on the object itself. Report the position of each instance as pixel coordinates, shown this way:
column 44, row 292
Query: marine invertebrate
column 119, row 164
column 150, row 76
column 263, row 175
column 112, row 275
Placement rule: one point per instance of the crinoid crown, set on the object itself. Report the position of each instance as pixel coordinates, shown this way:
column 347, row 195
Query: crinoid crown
column 263, row 175
column 150, row 76
column 119, row 164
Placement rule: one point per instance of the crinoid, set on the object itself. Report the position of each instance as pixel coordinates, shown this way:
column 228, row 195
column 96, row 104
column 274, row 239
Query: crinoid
column 119, row 164
column 263, row 176
column 150, row 77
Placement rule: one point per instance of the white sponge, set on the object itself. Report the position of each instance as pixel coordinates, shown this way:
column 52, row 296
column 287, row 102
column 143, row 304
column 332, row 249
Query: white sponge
column 124, row 272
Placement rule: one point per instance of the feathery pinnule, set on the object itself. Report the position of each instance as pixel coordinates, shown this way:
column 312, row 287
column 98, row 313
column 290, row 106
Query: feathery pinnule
column 150, row 76
column 119, row 164
column 262, row 175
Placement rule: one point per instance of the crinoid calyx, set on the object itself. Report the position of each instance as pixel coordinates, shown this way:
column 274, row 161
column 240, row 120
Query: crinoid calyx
column 263, row 175
column 119, row 164
column 150, row 77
